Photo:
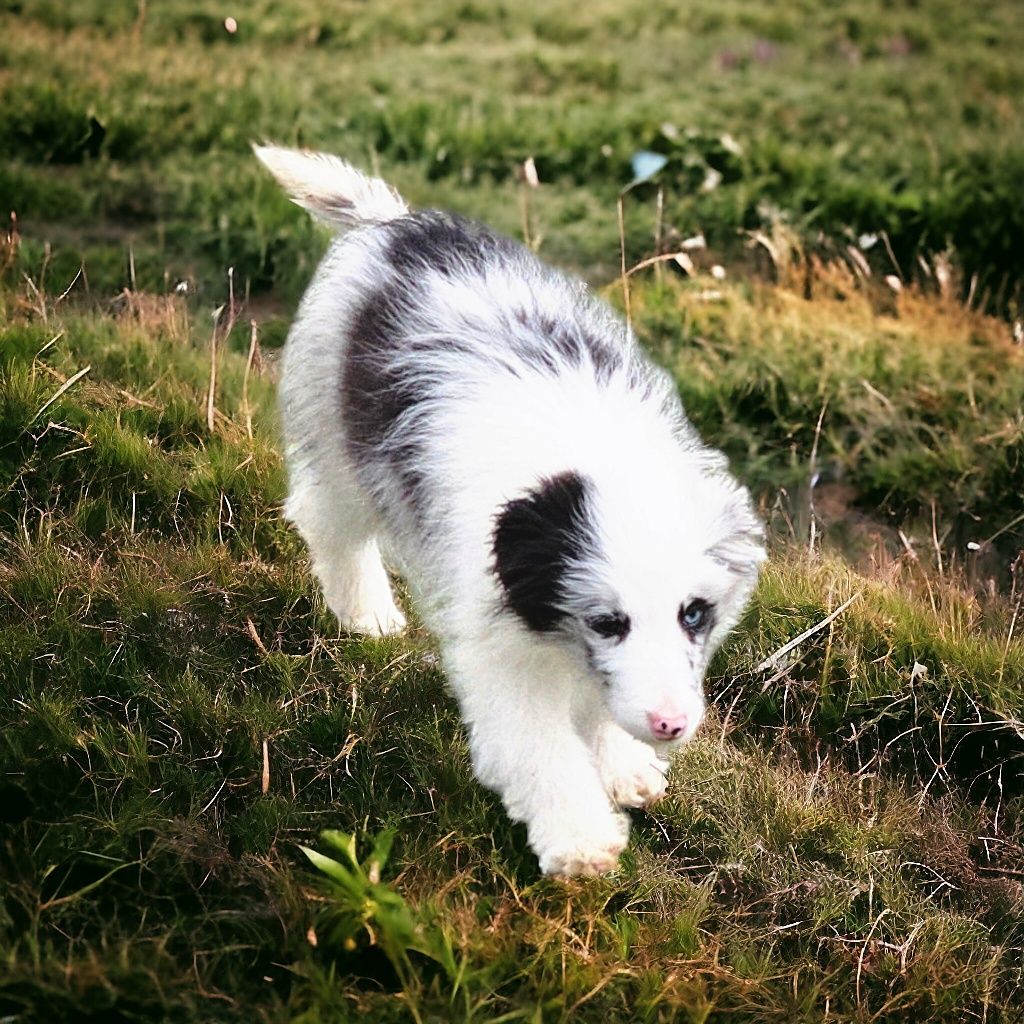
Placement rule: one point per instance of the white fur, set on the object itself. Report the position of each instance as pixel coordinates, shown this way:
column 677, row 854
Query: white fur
column 330, row 189
column 561, row 735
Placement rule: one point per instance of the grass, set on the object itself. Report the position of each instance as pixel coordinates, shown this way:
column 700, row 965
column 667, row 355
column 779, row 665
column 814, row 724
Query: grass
column 179, row 715
column 125, row 123
column 845, row 839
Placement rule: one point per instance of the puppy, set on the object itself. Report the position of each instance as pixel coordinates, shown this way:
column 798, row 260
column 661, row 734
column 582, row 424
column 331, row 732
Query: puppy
column 493, row 429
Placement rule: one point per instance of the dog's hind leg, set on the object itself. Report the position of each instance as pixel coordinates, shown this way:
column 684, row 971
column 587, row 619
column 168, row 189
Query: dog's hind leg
column 338, row 524
column 325, row 500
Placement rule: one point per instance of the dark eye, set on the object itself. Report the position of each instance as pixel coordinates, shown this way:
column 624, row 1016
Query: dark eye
column 615, row 624
column 695, row 616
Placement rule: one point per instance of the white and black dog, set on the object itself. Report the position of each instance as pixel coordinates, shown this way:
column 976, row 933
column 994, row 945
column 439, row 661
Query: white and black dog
column 493, row 428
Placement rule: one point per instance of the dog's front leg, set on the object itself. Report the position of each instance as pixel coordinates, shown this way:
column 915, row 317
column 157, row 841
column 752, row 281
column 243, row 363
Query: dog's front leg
column 633, row 772
column 518, row 709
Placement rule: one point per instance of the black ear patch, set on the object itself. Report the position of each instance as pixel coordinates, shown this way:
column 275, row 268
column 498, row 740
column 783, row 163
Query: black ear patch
column 536, row 539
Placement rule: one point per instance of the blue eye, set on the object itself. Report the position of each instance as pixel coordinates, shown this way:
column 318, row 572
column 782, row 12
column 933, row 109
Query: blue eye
column 695, row 616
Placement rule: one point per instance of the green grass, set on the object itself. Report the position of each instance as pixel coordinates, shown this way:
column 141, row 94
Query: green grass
column 179, row 716
column 121, row 122
column 845, row 836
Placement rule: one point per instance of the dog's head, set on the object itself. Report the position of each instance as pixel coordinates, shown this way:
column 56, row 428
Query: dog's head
column 646, row 583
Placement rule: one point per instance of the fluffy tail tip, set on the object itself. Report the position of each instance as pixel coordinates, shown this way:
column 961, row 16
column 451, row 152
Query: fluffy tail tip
column 332, row 190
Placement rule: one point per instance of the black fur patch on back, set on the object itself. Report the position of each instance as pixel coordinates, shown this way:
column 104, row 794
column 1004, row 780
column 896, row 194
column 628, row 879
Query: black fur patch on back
column 377, row 387
column 450, row 244
column 374, row 393
column 444, row 242
column 375, row 390
column 554, row 343
column 536, row 539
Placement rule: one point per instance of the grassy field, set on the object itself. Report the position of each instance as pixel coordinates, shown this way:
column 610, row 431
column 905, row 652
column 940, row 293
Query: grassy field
column 179, row 717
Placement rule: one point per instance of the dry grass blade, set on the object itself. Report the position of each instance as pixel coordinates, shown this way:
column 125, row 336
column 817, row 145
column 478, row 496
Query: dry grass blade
column 624, row 276
column 863, row 952
column 813, row 479
column 253, row 349
column 681, row 258
column 1009, row 641
column 1016, row 521
column 66, row 386
column 53, row 341
column 67, row 291
column 251, row 627
column 211, row 397
column 211, row 394
column 773, row 659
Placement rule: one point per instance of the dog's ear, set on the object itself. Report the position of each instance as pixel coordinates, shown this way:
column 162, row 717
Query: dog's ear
column 538, row 539
column 742, row 545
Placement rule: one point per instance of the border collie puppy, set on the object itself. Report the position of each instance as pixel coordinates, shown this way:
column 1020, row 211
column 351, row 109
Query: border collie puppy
column 492, row 429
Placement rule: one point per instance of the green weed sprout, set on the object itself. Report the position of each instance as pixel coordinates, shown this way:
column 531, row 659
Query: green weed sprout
column 361, row 905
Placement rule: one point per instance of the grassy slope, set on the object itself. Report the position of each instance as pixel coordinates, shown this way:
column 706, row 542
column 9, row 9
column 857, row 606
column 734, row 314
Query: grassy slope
column 846, row 840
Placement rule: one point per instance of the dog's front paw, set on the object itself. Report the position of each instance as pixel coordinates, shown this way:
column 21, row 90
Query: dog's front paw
column 592, row 849
column 632, row 773
column 574, row 863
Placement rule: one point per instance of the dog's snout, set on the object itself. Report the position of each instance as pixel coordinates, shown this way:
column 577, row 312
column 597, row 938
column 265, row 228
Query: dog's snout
column 667, row 727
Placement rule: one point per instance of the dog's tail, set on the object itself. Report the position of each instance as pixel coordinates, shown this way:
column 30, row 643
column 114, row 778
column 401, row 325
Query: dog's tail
column 330, row 189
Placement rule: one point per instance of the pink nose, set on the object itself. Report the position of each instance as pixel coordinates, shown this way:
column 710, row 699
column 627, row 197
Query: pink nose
column 667, row 727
